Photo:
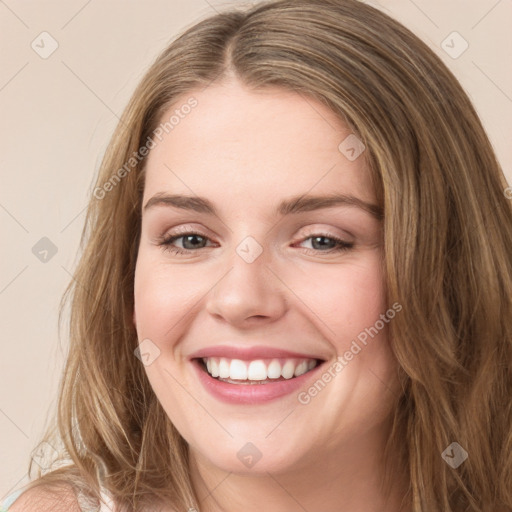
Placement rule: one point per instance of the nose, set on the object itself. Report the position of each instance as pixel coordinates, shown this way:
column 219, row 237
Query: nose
column 249, row 293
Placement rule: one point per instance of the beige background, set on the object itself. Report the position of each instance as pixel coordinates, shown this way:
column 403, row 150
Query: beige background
column 57, row 116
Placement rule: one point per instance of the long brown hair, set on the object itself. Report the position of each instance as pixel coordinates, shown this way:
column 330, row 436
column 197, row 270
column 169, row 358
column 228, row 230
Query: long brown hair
column 448, row 256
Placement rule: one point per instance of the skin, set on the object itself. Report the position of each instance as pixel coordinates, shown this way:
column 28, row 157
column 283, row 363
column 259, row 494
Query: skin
column 246, row 151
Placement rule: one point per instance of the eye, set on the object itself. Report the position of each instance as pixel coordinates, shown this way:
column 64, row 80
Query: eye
column 190, row 239
column 336, row 244
column 195, row 241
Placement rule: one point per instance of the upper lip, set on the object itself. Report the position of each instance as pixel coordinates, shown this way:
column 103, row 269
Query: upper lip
column 249, row 353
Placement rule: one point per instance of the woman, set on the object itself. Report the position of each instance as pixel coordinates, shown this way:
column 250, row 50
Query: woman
column 221, row 355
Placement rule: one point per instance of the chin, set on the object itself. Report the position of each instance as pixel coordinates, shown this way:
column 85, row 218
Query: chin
column 246, row 458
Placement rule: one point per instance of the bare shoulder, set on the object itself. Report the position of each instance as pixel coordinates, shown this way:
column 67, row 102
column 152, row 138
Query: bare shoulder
column 46, row 499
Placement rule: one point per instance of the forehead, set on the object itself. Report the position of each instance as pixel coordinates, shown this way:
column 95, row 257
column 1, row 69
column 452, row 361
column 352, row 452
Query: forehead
column 255, row 144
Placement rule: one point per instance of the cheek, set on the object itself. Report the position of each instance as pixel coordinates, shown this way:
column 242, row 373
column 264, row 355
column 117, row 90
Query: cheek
column 162, row 295
column 346, row 298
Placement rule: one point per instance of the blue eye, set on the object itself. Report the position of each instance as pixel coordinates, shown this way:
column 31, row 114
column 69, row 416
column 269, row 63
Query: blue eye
column 336, row 244
column 167, row 243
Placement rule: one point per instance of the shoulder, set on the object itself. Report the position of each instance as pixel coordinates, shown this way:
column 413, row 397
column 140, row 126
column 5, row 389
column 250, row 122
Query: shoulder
column 45, row 499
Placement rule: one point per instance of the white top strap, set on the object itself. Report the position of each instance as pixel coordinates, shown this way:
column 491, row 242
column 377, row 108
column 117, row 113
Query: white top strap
column 9, row 500
column 107, row 504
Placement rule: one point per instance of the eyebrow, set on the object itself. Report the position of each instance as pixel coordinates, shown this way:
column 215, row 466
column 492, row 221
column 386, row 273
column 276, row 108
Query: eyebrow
column 292, row 205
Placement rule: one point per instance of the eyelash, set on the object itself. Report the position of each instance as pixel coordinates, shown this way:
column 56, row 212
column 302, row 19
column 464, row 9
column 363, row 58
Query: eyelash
column 165, row 243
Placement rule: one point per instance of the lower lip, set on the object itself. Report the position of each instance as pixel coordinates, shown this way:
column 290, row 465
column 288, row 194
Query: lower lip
column 251, row 393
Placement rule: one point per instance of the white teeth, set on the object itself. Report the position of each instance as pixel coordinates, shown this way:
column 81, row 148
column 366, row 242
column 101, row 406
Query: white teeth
column 237, row 370
column 224, row 368
column 274, row 370
column 257, row 370
column 301, row 368
column 288, row 370
column 214, row 368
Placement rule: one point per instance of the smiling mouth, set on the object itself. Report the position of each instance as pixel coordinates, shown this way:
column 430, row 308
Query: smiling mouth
column 258, row 371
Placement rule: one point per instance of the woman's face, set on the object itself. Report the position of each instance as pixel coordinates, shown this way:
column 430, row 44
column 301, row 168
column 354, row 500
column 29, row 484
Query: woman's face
column 262, row 290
